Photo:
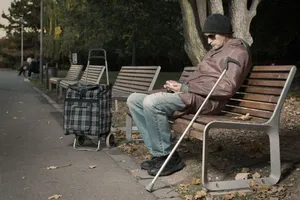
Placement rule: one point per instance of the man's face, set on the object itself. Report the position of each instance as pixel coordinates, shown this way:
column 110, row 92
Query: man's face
column 215, row 40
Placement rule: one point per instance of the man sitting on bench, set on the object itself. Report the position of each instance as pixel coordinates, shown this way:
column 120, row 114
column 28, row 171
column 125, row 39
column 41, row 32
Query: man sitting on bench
column 151, row 112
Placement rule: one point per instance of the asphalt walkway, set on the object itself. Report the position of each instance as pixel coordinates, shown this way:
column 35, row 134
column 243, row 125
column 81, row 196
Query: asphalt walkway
column 31, row 139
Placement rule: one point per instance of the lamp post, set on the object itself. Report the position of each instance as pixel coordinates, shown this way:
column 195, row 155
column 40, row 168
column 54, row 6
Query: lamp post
column 22, row 38
column 41, row 42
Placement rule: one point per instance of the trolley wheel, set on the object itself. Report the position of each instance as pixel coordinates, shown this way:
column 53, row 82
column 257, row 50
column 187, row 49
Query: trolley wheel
column 110, row 140
column 80, row 140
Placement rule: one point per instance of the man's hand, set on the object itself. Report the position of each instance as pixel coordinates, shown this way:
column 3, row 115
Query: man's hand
column 173, row 86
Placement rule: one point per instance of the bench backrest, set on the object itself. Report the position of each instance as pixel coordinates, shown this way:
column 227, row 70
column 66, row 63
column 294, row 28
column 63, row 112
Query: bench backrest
column 74, row 72
column 263, row 92
column 186, row 72
column 92, row 74
column 136, row 79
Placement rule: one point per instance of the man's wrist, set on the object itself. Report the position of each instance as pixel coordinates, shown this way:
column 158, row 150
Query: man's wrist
column 184, row 88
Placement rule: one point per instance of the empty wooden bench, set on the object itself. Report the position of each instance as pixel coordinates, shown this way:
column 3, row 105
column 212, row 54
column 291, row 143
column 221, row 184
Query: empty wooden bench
column 262, row 97
column 134, row 79
column 92, row 74
column 72, row 75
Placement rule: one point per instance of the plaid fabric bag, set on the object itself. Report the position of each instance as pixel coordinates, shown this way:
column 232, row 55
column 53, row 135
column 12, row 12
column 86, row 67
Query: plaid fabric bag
column 87, row 109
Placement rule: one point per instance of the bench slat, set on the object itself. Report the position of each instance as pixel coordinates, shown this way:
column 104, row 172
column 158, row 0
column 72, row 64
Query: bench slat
column 135, row 75
column 138, row 71
column 252, row 104
column 140, row 67
column 129, row 83
column 252, row 112
column 272, row 68
column 256, row 82
column 268, row 75
column 256, row 97
column 260, row 90
column 147, row 80
column 130, row 89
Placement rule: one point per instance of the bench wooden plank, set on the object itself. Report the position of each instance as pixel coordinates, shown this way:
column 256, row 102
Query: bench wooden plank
column 73, row 74
column 260, row 90
column 252, row 104
column 92, row 74
column 268, row 75
column 134, row 79
column 274, row 68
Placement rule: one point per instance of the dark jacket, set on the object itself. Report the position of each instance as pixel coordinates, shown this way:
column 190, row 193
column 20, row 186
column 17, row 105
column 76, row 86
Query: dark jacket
column 197, row 86
column 200, row 82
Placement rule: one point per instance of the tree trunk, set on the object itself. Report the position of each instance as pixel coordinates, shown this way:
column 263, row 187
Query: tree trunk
column 192, row 31
column 241, row 18
column 216, row 6
column 202, row 11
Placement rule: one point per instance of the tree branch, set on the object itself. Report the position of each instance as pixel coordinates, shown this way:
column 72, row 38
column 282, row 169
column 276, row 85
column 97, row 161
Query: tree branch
column 202, row 11
column 216, row 6
column 253, row 7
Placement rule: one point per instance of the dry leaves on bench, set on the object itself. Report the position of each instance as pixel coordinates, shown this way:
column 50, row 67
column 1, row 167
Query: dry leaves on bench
column 243, row 117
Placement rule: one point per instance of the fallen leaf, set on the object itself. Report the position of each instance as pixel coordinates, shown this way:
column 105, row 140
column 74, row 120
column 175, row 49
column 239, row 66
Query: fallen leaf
column 229, row 196
column 241, row 194
column 243, row 117
column 256, row 175
column 200, row 194
column 264, row 188
column 253, row 184
column 245, row 170
column 52, row 167
column 56, row 196
column 188, row 197
column 92, row 166
column 242, row 176
column 196, row 181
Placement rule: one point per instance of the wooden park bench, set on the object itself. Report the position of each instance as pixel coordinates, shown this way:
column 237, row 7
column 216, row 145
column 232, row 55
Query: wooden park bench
column 262, row 97
column 92, row 74
column 134, row 79
column 72, row 75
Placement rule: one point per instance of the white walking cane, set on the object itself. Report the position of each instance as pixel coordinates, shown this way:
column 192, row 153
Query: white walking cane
column 149, row 187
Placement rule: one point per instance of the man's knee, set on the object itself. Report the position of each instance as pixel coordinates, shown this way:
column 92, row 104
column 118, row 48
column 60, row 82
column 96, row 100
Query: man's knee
column 149, row 101
column 132, row 99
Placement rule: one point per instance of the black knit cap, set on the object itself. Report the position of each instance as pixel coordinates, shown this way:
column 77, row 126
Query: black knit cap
column 217, row 23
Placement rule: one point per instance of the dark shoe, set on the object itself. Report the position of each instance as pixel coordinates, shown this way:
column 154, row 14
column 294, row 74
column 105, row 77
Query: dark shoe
column 147, row 164
column 175, row 164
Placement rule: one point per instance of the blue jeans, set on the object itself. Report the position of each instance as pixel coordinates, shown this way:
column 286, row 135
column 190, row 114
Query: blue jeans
column 151, row 113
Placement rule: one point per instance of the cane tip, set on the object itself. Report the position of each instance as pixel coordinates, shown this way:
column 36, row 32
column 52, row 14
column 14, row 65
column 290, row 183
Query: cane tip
column 149, row 187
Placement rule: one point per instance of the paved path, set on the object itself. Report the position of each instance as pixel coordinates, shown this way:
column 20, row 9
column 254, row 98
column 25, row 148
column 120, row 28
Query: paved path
column 30, row 141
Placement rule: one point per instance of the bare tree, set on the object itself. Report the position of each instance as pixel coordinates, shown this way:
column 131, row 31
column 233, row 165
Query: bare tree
column 194, row 13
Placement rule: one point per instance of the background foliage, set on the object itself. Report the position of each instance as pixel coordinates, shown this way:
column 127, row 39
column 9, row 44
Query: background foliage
column 136, row 32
